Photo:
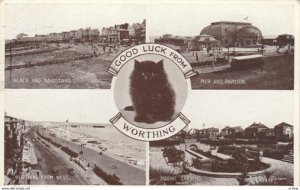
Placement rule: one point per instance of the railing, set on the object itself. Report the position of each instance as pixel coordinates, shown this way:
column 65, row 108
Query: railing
column 49, row 62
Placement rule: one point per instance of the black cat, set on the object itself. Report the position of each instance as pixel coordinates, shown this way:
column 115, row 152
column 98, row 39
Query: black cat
column 152, row 95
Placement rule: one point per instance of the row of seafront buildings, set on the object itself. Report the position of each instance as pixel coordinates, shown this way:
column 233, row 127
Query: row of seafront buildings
column 223, row 34
column 124, row 33
column 14, row 128
column 282, row 131
column 121, row 33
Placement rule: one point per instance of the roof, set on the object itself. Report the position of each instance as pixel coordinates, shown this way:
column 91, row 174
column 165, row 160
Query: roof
column 227, row 127
column 175, row 47
column 238, row 128
column 257, row 125
column 228, row 28
column 230, row 22
column 212, row 129
column 213, row 30
column 248, row 57
column 249, row 31
column 283, row 124
column 205, row 38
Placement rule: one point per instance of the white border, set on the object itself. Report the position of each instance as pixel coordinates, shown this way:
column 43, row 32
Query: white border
column 296, row 79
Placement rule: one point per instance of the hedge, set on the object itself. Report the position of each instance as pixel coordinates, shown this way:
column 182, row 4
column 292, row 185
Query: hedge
column 166, row 142
column 49, row 140
column 108, row 178
column 273, row 153
column 69, row 151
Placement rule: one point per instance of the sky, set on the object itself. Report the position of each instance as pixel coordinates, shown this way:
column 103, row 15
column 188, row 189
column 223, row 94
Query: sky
column 219, row 108
column 215, row 108
column 87, row 106
column 189, row 20
column 38, row 18
column 183, row 19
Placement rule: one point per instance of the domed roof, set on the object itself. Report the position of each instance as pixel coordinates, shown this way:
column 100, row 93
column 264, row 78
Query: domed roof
column 249, row 31
column 213, row 30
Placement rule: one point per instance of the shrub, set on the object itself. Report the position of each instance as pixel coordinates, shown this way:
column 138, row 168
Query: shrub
column 274, row 153
column 202, row 164
column 174, row 155
column 108, row 178
column 203, row 63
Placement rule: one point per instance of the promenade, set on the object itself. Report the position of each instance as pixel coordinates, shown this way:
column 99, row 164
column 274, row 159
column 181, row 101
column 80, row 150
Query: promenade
column 127, row 173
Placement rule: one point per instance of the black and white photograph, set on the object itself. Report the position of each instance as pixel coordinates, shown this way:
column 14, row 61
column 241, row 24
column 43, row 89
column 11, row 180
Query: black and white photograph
column 72, row 47
column 150, row 91
column 229, row 142
column 57, row 142
column 230, row 46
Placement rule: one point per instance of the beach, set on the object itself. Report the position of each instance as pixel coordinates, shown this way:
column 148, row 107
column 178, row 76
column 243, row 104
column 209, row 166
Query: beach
column 106, row 147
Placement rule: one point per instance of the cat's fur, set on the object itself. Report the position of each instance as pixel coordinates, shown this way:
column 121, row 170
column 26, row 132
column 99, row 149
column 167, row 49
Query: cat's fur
column 152, row 95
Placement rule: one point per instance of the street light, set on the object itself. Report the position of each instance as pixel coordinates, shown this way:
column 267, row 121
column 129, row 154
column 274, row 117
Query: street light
column 81, row 150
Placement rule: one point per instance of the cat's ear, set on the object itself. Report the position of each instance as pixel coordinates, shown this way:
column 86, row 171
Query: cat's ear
column 136, row 64
column 160, row 63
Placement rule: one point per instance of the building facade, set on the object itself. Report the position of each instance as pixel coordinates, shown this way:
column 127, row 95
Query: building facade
column 87, row 34
column 284, row 131
column 209, row 133
column 178, row 43
column 13, row 130
column 232, row 131
column 115, row 34
column 234, row 33
column 137, row 32
column 254, row 130
column 203, row 41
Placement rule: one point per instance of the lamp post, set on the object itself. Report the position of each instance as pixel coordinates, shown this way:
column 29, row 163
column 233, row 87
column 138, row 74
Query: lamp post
column 81, row 150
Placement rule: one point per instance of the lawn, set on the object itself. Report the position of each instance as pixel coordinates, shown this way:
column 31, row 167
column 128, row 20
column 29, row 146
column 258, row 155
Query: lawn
column 80, row 74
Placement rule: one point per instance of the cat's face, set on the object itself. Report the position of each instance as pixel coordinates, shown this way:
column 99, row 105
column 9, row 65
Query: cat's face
column 148, row 70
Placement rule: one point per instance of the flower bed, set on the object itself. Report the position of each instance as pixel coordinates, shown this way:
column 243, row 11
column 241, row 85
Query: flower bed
column 231, row 165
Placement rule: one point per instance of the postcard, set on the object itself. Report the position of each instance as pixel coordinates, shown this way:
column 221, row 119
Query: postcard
column 196, row 93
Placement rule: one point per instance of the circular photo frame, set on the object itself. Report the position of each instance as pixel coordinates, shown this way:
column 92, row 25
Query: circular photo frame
column 150, row 89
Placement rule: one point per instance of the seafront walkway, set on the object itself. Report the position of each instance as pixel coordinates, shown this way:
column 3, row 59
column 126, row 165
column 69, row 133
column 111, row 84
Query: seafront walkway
column 203, row 57
column 127, row 173
column 88, row 174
